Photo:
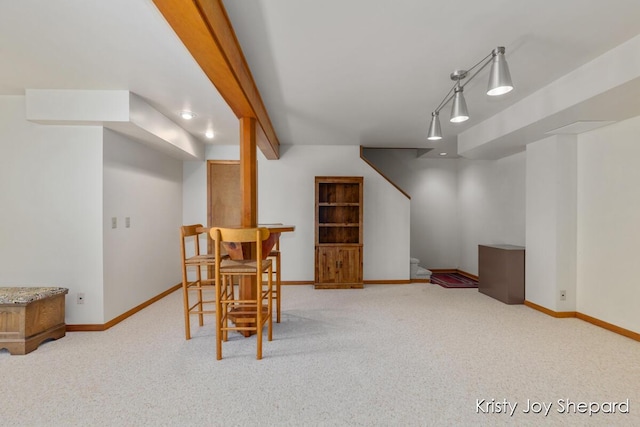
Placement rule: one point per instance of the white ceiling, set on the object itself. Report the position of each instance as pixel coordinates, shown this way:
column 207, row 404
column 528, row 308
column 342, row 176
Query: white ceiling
column 108, row 44
column 363, row 72
column 370, row 72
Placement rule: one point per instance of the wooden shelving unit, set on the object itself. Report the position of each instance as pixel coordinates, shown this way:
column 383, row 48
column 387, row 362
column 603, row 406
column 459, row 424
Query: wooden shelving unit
column 338, row 232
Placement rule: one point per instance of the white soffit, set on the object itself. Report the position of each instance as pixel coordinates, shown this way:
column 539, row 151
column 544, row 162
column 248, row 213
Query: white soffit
column 119, row 110
column 581, row 94
column 580, row 127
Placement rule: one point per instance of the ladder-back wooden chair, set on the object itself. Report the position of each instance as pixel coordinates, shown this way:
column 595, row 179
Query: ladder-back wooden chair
column 247, row 313
column 193, row 262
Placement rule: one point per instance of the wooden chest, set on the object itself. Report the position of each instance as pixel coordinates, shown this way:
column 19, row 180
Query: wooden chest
column 29, row 316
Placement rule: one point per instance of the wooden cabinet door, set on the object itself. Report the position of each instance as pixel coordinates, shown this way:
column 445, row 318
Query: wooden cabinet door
column 338, row 265
column 327, row 264
column 349, row 268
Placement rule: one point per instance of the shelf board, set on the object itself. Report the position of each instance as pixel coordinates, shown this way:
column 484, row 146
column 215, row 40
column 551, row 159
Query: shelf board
column 338, row 204
column 338, row 224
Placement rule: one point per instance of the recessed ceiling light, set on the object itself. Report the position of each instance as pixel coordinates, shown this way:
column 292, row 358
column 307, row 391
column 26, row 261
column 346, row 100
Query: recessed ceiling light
column 443, row 154
column 209, row 134
column 187, row 115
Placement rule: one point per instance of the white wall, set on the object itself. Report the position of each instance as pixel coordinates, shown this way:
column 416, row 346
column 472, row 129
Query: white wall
column 457, row 204
column 540, row 264
column 431, row 184
column 286, row 195
column 491, row 206
column 142, row 261
column 551, row 222
column 608, row 230
column 434, row 212
column 51, row 208
column 58, row 226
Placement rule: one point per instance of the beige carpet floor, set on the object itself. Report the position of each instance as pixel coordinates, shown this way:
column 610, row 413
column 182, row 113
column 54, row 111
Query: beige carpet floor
column 388, row 355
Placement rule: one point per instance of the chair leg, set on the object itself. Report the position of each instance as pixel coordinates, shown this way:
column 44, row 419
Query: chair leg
column 259, row 314
column 278, row 293
column 270, row 303
column 228, row 286
column 185, row 297
column 200, row 307
column 218, row 319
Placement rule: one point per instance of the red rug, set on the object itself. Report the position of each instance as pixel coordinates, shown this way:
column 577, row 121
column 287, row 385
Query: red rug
column 453, row 280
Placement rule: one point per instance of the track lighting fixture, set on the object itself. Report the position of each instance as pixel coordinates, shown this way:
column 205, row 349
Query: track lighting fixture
column 499, row 84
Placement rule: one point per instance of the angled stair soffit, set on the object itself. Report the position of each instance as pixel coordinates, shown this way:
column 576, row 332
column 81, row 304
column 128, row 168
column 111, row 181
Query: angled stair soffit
column 118, row 110
column 422, row 151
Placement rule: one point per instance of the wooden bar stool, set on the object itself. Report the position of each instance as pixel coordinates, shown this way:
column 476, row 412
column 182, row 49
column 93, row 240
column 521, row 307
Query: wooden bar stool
column 247, row 313
column 193, row 259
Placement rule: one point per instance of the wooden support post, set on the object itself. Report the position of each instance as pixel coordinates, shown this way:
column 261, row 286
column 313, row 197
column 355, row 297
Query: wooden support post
column 248, row 172
column 249, row 190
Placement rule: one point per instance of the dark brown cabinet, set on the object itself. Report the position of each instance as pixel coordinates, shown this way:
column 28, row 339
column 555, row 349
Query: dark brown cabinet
column 501, row 272
column 338, row 232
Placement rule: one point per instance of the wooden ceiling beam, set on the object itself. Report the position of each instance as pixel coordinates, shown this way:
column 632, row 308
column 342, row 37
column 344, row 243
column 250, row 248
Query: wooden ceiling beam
column 206, row 31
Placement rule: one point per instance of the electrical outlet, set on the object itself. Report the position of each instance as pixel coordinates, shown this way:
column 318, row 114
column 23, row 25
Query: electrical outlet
column 114, row 222
column 563, row 295
column 80, row 298
column 127, row 222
